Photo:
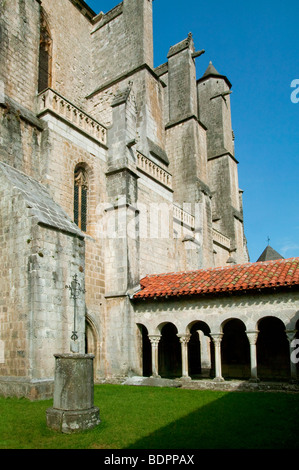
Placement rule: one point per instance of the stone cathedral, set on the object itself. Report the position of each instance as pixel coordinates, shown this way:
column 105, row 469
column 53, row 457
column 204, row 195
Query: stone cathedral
column 121, row 179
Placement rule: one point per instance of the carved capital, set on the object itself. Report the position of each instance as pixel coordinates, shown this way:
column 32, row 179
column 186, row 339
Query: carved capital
column 184, row 338
column 217, row 338
column 154, row 339
column 291, row 334
column 252, row 336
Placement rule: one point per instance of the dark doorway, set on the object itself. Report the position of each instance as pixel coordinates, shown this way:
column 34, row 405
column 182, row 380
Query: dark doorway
column 170, row 359
column 146, row 352
column 199, row 351
column 273, row 356
column 235, row 350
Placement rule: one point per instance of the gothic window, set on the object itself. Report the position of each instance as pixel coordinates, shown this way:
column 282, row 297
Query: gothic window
column 80, row 197
column 45, row 57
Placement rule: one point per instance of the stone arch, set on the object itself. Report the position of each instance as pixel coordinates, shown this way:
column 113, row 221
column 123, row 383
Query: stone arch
column 273, row 357
column 200, row 350
column 169, row 351
column 235, row 349
column 92, row 344
column 145, row 350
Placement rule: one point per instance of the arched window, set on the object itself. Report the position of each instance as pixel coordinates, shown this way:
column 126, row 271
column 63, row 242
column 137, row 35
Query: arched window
column 45, row 56
column 80, row 197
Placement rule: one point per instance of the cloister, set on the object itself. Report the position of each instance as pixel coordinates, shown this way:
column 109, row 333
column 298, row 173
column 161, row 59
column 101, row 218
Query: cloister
column 232, row 352
column 246, row 334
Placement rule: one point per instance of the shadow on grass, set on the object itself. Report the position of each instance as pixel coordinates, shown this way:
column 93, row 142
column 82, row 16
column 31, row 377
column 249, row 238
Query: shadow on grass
column 154, row 418
column 246, row 420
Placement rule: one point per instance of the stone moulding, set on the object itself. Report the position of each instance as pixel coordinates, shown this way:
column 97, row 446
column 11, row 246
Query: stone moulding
column 50, row 100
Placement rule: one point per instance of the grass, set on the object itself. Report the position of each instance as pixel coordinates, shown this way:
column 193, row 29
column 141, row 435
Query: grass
column 161, row 418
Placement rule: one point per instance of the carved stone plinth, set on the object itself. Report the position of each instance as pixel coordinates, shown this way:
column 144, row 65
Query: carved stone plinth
column 73, row 408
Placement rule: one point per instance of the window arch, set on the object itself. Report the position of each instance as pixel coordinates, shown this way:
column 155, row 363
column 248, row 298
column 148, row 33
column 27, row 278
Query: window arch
column 45, row 56
column 80, row 196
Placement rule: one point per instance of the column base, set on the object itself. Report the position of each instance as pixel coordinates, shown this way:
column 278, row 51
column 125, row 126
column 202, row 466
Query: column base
column 294, row 381
column 68, row 422
column 205, row 372
column 254, row 380
column 218, row 379
column 185, row 378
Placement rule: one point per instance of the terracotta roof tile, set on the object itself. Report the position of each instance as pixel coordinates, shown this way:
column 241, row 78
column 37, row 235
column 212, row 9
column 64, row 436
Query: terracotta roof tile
column 239, row 277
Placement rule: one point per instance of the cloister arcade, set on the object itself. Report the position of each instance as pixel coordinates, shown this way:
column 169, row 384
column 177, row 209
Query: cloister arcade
column 234, row 348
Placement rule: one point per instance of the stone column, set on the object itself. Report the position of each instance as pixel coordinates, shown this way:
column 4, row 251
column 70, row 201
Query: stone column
column 73, row 409
column 184, row 340
column 291, row 334
column 217, row 338
column 154, row 339
column 205, row 353
column 252, row 338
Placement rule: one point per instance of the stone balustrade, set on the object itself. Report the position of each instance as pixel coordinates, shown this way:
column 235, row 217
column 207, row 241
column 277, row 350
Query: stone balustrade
column 153, row 170
column 183, row 216
column 53, row 101
column 218, row 237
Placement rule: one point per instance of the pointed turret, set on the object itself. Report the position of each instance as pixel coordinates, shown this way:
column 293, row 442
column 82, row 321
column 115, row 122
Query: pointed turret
column 269, row 254
column 214, row 109
column 212, row 72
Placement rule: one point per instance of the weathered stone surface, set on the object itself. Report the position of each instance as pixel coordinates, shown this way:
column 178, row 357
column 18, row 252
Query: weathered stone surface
column 73, row 407
column 69, row 422
column 73, row 382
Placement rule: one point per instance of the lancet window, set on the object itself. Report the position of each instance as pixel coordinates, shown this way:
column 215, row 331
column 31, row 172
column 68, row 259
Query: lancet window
column 45, row 56
column 80, row 197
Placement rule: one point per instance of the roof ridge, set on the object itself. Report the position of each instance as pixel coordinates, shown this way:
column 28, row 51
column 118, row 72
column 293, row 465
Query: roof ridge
column 220, row 268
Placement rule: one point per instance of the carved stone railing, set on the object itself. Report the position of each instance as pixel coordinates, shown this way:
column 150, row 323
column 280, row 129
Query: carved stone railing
column 183, row 216
column 218, row 237
column 53, row 101
column 153, row 170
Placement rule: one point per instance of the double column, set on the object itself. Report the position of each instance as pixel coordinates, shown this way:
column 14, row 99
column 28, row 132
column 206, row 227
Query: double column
column 252, row 338
column 154, row 340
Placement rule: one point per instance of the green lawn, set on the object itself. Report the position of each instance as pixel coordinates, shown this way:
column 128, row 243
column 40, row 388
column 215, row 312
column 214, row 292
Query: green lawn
column 161, row 418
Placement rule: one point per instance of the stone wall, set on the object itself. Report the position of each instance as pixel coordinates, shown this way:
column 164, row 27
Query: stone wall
column 19, row 49
column 71, row 53
column 122, row 41
column 21, row 138
column 41, row 253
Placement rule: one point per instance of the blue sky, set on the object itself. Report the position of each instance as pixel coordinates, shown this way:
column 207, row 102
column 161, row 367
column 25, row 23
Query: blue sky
column 256, row 45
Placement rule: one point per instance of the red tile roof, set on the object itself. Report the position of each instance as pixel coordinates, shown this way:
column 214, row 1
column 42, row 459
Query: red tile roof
column 236, row 278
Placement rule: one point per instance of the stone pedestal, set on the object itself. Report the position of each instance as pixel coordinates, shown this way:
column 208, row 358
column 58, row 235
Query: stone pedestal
column 73, row 409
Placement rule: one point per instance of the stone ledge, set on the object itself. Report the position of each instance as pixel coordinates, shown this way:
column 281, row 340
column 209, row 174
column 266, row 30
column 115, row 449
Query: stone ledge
column 152, row 382
column 22, row 388
column 241, row 386
column 205, row 384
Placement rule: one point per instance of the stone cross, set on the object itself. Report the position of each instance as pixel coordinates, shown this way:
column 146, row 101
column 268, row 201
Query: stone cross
column 75, row 289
